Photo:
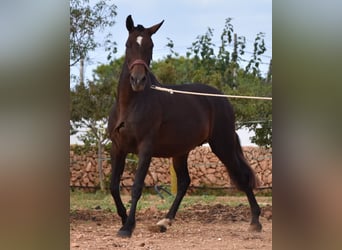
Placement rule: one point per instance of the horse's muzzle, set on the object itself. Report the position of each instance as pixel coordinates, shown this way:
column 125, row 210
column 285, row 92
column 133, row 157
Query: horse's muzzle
column 138, row 69
column 138, row 82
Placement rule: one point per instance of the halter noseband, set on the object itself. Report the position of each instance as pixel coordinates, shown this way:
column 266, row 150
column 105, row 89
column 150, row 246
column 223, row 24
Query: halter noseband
column 136, row 62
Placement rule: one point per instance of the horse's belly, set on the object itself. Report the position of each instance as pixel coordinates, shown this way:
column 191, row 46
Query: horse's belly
column 179, row 141
column 172, row 150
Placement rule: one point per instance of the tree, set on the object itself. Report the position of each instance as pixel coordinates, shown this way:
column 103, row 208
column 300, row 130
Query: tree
column 90, row 106
column 91, row 102
column 256, row 115
column 228, row 62
column 203, row 51
column 269, row 73
column 85, row 20
column 259, row 49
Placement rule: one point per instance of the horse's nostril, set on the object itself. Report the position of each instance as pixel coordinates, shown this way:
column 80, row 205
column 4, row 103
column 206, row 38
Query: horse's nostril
column 143, row 78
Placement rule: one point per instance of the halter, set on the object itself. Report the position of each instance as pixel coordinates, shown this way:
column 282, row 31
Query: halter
column 136, row 62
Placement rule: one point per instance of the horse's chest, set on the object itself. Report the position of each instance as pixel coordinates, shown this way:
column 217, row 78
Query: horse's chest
column 128, row 130
column 130, row 133
column 135, row 124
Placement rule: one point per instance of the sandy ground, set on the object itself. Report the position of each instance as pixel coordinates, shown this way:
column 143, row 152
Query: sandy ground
column 196, row 227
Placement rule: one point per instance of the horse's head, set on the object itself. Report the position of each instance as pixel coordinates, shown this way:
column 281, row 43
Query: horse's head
column 139, row 47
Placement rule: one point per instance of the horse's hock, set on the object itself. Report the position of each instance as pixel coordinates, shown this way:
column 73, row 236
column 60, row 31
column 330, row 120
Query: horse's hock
column 205, row 169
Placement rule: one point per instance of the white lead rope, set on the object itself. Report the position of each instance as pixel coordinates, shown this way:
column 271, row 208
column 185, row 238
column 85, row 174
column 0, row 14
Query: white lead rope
column 171, row 91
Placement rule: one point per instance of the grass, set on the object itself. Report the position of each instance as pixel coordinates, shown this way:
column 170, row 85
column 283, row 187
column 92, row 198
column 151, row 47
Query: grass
column 83, row 200
column 80, row 200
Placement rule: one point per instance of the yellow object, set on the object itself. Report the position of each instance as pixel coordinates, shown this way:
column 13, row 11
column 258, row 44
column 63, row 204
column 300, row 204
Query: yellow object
column 173, row 180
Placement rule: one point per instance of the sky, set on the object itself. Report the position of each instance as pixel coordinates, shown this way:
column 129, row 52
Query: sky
column 184, row 20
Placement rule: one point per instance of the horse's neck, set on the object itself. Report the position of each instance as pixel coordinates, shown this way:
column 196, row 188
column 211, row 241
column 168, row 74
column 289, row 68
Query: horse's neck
column 124, row 96
column 125, row 93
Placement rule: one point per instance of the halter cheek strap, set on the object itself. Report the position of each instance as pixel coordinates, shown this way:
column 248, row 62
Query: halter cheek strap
column 136, row 62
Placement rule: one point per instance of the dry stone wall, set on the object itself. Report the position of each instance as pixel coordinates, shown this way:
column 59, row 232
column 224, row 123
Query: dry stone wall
column 205, row 169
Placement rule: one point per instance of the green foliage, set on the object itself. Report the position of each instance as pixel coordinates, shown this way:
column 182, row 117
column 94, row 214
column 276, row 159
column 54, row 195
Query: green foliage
column 85, row 20
column 83, row 201
column 165, row 71
column 259, row 49
column 91, row 103
column 170, row 45
column 81, row 149
column 263, row 134
column 181, row 69
column 226, row 39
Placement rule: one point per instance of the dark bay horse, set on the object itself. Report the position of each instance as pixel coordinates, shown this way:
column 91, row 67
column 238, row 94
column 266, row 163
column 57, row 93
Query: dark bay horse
column 150, row 123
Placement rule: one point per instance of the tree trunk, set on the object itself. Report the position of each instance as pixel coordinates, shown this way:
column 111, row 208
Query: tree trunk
column 99, row 160
column 82, row 70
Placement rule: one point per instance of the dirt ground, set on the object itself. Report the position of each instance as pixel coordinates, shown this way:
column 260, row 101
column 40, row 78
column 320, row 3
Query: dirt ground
column 196, row 227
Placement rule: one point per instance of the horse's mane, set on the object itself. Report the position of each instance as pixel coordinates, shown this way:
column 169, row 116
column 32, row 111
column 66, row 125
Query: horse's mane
column 154, row 80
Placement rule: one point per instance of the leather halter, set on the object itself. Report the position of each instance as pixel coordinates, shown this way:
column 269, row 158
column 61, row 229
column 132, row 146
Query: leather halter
column 137, row 62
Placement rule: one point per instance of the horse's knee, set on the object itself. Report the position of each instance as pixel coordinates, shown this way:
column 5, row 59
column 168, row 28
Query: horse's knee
column 137, row 190
column 183, row 186
column 115, row 189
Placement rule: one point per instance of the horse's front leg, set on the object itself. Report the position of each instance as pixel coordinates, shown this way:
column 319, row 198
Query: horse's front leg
column 118, row 165
column 144, row 162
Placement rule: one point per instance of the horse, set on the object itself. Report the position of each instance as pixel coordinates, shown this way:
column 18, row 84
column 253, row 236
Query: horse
column 151, row 123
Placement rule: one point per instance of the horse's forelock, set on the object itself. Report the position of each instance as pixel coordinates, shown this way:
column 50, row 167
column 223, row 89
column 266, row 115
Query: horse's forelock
column 140, row 28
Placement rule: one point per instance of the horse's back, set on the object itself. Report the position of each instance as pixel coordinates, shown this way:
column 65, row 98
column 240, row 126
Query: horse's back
column 220, row 106
column 196, row 87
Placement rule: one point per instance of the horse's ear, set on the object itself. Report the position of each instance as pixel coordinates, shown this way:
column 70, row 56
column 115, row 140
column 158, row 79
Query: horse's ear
column 129, row 23
column 154, row 28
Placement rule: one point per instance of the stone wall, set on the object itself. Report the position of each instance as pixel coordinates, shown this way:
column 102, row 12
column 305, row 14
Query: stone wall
column 204, row 168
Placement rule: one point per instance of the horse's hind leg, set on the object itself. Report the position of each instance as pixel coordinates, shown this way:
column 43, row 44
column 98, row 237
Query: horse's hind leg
column 230, row 153
column 180, row 166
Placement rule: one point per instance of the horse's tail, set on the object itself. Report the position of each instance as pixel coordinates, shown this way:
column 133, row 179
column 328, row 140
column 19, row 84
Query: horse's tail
column 246, row 175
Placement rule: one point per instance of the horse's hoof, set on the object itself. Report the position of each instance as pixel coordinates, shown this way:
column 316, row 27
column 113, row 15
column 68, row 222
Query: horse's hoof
column 255, row 227
column 162, row 229
column 157, row 229
column 124, row 234
column 163, row 224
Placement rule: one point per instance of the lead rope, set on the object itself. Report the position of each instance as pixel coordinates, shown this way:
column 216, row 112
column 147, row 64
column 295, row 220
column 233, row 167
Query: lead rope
column 171, row 91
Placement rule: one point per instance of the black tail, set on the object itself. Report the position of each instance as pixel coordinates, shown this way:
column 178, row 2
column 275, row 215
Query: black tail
column 246, row 177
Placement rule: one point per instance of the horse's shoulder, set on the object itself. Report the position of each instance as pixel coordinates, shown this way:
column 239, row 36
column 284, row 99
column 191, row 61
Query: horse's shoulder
column 112, row 118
